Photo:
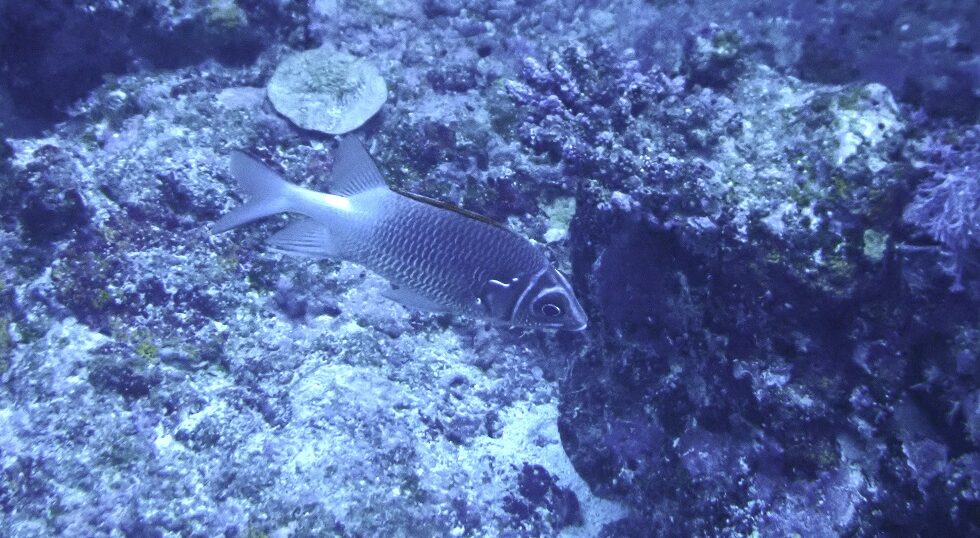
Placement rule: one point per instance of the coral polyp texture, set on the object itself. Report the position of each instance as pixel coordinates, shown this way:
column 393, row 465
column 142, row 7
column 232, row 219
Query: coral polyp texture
column 768, row 211
column 326, row 90
column 947, row 202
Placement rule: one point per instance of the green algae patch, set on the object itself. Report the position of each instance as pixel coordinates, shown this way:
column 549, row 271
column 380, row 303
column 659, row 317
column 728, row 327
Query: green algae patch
column 560, row 213
column 875, row 244
column 226, row 13
column 864, row 117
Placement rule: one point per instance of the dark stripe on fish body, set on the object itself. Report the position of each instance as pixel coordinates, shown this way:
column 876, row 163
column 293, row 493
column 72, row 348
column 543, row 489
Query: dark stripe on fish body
column 447, row 206
column 444, row 252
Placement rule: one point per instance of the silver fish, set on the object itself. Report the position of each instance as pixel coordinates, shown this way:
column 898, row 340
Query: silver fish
column 437, row 257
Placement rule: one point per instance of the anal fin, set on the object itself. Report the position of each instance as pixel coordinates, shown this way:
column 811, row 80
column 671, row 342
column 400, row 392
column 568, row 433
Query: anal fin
column 305, row 238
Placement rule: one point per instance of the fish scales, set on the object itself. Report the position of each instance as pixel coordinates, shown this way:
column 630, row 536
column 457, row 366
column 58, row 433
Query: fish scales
column 444, row 254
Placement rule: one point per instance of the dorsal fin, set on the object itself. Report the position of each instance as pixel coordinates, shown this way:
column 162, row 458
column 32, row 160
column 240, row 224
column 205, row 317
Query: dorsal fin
column 354, row 170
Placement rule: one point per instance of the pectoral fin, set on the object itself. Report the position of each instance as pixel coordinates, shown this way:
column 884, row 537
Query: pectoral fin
column 498, row 297
column 413, row 300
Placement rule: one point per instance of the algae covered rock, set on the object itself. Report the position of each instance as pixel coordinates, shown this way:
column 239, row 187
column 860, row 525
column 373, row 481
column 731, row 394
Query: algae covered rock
column 326, row 90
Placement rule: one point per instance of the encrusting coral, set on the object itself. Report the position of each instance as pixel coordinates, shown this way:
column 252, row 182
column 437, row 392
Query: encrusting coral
column 326, row 90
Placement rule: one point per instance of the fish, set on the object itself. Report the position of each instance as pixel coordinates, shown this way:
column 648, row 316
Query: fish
column 437, row 257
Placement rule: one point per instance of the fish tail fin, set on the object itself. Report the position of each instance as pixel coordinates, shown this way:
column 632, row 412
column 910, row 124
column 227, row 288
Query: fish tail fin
column 269, row 194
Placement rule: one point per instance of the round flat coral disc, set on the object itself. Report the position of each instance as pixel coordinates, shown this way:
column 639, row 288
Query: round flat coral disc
column 326, row 90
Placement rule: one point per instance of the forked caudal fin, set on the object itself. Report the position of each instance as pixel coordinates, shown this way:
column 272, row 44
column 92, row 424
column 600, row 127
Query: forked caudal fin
column 268, row 193
column 354, row 173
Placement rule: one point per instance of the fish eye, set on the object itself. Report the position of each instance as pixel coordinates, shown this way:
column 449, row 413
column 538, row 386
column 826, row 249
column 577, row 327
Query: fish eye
column 551, row 310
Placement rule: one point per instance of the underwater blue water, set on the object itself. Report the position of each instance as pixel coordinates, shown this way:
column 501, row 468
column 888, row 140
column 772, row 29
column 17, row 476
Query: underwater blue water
column 769, row 213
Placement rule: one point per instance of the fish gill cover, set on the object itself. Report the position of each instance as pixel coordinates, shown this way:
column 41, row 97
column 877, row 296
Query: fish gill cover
column 767, row 209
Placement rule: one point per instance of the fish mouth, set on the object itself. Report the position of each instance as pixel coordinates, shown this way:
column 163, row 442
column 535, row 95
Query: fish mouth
column 563, row 326
column 578, row 318
column 573, row 325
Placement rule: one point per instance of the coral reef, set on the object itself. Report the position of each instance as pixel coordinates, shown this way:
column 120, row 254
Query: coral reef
column 739, row 248
column 775, row 238
column 55, row 52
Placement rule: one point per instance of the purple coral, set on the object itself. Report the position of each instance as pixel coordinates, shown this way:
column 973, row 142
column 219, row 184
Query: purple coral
column 947, row 204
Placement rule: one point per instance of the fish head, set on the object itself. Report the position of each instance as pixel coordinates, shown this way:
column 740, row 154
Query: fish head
column 544, row 301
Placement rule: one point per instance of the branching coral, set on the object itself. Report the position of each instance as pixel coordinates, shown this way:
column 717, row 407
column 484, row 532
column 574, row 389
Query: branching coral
column 947, row 205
